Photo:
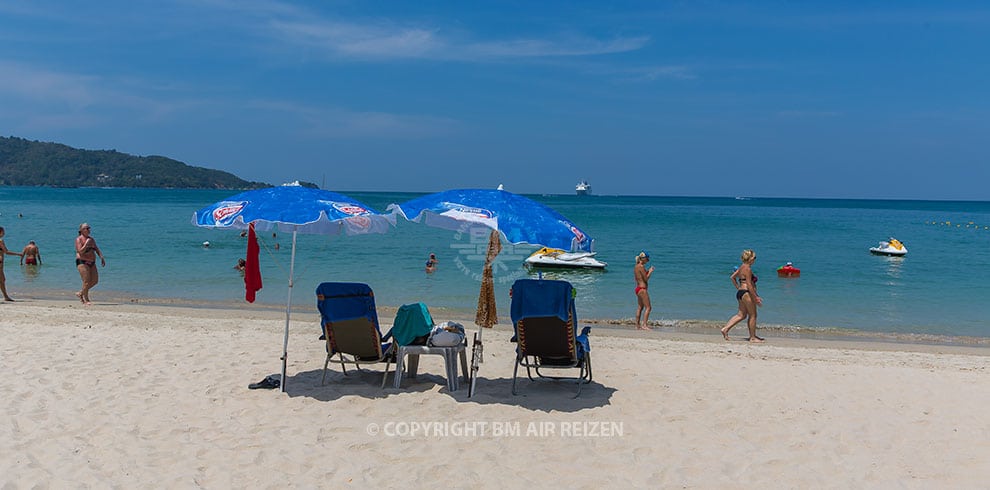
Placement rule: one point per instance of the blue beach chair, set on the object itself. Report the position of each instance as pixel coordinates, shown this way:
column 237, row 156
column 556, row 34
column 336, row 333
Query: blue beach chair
column 350, row 325
column 545, row 322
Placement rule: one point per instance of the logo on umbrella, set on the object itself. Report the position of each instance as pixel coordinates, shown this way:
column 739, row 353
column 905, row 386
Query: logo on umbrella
column 351, row 209
column 577, row 233
column 227, row 211
column 460, row 208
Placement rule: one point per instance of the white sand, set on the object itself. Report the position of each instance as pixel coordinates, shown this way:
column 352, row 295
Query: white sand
column 133, row 396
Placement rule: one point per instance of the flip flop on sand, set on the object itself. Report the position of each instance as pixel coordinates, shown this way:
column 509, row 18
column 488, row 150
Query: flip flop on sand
column 270, row 382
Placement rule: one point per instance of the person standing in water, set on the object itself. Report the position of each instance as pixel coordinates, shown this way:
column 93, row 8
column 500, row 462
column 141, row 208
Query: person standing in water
column 31, row 255
column 431, row 264
column 642, row 276
column 4, row 253
column 86, row 253
column 744, row 281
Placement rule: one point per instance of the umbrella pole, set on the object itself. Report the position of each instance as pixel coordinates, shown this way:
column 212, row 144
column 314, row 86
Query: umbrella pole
column 288, row 309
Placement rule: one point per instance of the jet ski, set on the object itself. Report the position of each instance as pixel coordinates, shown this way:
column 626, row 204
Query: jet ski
column 891, row 248
column 555, row 257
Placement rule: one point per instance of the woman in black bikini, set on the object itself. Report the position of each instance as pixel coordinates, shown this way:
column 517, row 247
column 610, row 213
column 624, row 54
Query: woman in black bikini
column 3, row 278
column 86, row 252
column 745, row 283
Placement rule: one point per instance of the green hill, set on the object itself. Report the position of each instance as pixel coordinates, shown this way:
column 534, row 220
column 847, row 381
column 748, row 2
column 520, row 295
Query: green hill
column 34, row 163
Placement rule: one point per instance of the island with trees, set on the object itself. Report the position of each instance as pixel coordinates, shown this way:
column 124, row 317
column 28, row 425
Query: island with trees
column 33, row 163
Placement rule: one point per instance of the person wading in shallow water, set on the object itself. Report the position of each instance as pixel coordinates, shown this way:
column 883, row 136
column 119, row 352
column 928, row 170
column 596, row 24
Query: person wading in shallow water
column 31, row 255
column 86, row 253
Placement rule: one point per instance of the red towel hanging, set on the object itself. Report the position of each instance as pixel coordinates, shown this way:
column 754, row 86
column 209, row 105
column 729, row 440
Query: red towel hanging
column 252, row 268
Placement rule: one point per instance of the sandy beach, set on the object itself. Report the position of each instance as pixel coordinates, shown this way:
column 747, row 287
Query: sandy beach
column 131, row 395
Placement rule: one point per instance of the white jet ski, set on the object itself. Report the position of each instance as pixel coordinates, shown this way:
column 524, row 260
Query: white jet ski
column 891, row 248
column 555, row 257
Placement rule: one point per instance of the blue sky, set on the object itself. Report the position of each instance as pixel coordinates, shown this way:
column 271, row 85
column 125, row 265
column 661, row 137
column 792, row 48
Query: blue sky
column 697, row 98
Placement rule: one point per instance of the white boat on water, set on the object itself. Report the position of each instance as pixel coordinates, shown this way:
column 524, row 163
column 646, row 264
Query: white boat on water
column 892, row 248
column 583, row 188
column 555, row 257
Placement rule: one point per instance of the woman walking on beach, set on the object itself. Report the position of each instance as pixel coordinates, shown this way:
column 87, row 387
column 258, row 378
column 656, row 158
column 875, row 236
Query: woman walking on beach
column 3, row 278
column 86, row 252
column 744, row 281
column 642, row 276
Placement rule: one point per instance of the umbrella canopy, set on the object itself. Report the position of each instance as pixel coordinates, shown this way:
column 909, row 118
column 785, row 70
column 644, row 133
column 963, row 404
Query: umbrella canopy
column 299, row 210
column 294, row 208
column 519, row 219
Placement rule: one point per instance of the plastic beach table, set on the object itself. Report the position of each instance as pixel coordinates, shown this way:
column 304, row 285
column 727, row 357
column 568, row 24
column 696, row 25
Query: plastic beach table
column 449, row 355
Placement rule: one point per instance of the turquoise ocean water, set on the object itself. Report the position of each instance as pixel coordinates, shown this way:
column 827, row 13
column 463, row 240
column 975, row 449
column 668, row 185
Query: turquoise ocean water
column 941, row 288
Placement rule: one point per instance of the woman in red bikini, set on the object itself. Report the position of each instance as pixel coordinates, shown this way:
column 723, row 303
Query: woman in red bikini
column 642, row 276
column 745, row 283
column 86, row 252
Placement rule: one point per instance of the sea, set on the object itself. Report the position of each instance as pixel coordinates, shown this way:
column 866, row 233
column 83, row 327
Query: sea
column 939, row 292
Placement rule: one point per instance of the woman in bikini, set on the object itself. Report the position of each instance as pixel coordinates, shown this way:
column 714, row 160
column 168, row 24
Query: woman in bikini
column 31, row 255
column 745, row 283
column 3, row 278
column 86, row 253
column 642, row 276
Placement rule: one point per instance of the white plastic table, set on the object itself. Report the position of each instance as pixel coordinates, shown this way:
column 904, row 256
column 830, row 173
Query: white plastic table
column 449, row 358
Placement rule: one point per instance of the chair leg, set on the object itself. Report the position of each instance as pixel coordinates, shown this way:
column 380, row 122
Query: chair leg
column 325, row 365
column 385, row 376
column 399, row 369
column 343, row 367
column 515, row 371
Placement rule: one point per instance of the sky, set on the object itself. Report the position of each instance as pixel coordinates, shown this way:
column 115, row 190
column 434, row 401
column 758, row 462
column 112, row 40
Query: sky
column 837, row 99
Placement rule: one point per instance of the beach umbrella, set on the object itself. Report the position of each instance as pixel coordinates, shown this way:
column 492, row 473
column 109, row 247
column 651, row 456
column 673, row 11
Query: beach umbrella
column 295, row 209
column 519, row 219
column 516, row 218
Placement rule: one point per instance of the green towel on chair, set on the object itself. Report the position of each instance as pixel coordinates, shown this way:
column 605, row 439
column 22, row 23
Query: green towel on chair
column 411, row 322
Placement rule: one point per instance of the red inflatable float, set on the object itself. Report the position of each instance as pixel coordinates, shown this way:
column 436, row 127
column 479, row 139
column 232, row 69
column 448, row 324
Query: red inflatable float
column 788, row 270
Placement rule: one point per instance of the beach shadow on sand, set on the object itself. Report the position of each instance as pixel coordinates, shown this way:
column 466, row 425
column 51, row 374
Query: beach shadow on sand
column 541, row 395
column 538, row 395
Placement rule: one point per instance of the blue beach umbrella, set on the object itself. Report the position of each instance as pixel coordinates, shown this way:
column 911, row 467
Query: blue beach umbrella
column 518, row 219
column 299, row 210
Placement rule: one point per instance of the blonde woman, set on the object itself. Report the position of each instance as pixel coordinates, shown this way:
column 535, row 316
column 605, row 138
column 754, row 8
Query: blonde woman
column 642, row 276
column 744, row 281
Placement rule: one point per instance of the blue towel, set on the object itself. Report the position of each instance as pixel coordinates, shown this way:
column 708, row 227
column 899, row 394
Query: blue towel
column 542, row 297
column 411, row 321
column 346, row 301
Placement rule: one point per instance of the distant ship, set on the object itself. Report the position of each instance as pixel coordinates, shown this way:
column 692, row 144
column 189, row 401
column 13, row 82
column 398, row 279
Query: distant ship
column 583, row 188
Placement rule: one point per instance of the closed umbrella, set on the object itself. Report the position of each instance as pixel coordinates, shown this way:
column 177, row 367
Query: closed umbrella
column 487, row 315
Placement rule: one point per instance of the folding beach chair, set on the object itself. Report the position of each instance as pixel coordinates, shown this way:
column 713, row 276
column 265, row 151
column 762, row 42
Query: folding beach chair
column 350, row 325
column 545, row 322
